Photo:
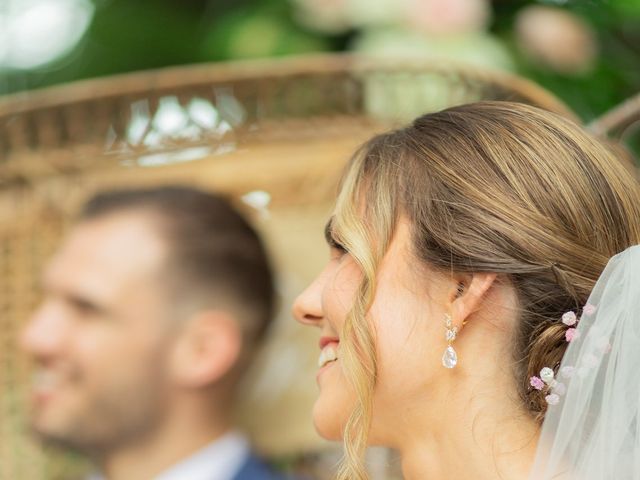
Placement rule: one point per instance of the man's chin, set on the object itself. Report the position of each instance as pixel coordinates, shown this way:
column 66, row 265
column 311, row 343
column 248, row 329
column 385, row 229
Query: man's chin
column 56, row 438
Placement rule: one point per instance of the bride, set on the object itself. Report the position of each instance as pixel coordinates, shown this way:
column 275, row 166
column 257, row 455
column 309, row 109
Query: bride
column 464, row 250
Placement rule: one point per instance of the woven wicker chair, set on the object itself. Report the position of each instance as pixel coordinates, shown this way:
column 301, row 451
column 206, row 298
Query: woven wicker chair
column 620, row 121
column 621, row 127
column 285, row 127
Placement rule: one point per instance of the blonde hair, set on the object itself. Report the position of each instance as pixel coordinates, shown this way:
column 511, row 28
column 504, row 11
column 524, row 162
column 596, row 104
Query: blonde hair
column 488, row 187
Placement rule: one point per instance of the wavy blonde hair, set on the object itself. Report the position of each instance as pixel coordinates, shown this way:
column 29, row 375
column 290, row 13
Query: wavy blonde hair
column 488, row 187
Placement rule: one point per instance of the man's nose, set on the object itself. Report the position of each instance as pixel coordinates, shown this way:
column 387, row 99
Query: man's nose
column 44, row 333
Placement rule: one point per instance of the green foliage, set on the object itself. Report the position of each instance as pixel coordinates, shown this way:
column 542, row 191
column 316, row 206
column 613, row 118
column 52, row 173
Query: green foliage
column 257, row 31
column 130, row 35
column 136, row 35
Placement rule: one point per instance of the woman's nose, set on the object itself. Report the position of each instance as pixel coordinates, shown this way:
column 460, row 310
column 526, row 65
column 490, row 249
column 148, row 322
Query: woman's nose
column 307, row 307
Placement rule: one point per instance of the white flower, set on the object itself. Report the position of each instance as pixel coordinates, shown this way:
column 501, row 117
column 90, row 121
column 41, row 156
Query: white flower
column 546, row 374
column 569, row 319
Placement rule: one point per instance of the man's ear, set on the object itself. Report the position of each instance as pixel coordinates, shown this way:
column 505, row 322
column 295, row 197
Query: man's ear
column 468, row 295
column 207, row 349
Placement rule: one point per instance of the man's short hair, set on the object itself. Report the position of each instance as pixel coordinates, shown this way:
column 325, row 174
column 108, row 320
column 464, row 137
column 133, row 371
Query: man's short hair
column 216, row 259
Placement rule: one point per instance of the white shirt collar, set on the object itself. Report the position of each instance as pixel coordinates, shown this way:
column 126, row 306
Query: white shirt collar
column 219, row 460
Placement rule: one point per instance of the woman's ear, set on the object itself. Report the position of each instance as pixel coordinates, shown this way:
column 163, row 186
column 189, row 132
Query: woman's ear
column 208, row 348
column 469, row 293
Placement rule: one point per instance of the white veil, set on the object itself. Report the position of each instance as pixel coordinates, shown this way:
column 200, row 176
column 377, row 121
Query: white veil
column 593, row 432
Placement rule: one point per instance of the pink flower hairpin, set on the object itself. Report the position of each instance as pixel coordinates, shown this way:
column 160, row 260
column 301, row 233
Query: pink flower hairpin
column 571, row 334
column 546, row 381
column 571, row 320
column 588, row 309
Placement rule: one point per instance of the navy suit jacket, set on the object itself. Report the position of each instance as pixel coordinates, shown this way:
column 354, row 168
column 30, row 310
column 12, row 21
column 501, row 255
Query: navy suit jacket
column 255, row 469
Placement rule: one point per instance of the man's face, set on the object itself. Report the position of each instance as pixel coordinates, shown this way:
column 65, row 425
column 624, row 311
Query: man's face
column 100, row 339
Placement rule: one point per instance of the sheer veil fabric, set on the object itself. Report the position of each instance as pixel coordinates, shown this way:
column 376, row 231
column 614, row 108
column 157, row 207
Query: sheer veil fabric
column 593, row 432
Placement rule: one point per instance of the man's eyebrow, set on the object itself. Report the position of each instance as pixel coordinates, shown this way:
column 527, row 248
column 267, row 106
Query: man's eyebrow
column 85, row 303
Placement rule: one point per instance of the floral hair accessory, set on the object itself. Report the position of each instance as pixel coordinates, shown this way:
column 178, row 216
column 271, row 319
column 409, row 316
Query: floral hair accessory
column 571, row 334
column 552, row 399
column 547, row 383
column 588, row 309
column 559, row 388
column 536, row 382
column 598, row 345
column 569, row 319
column 546, row 374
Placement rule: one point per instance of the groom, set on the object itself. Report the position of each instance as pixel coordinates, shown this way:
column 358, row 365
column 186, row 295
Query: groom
column 153, row 307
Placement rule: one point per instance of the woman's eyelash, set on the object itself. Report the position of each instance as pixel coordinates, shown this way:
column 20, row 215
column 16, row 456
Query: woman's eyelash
column 331, row 241
column 335, row 245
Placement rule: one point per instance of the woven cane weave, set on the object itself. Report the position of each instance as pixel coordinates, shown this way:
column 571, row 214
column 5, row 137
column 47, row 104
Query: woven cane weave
column 281, row 129
column 620, row 121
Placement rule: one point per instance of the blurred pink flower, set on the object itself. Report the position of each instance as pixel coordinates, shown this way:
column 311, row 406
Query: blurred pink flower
column 448, row 17
column 552, row 399
column 556, row 39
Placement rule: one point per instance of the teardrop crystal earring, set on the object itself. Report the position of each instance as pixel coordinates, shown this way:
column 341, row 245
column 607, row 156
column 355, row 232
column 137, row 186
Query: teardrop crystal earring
column 450, row 357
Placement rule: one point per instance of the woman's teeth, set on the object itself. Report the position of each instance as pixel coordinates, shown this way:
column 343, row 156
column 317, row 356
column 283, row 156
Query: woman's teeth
column 328, row 354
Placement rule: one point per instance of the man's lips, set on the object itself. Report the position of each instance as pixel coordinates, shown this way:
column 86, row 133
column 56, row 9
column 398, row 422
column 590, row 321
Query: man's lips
column 48, row 383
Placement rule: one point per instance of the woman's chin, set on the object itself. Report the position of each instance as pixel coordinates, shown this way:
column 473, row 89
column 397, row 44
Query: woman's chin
column 328, row 422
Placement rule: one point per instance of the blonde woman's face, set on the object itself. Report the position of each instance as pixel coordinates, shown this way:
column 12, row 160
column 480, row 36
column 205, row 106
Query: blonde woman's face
column 408, row 325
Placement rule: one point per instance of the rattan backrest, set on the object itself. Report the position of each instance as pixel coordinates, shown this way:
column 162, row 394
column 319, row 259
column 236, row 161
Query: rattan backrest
column 284, row 126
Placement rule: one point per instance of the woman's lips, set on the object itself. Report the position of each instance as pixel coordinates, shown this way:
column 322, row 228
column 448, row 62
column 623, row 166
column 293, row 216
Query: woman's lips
column 324, row 341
